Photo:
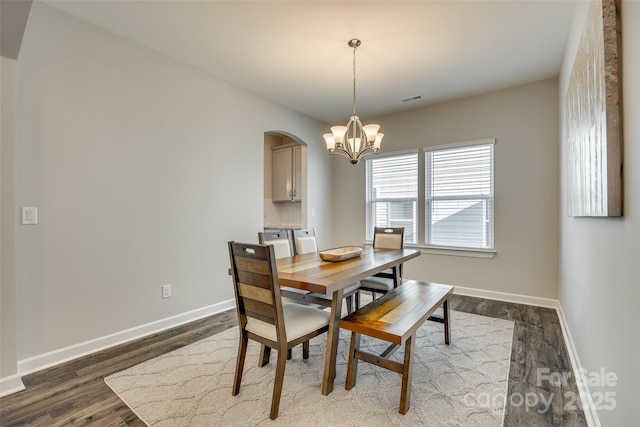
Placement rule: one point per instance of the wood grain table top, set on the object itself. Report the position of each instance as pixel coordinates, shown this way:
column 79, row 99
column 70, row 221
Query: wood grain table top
column 309, row 272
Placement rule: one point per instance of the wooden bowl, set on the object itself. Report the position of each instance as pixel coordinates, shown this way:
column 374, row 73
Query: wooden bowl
column 340, row 254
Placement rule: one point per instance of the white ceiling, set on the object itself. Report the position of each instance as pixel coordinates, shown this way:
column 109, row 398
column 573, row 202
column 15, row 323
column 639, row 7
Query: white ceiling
column 295, row 52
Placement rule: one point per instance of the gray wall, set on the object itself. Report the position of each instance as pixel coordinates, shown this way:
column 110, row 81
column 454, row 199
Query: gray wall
column 8, row 349
column 600, row 268
column 13, row 19
column 142, row 169
column 524, row 121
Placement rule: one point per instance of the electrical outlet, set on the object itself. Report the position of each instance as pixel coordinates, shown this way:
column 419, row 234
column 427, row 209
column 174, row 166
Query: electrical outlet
column 166, row 291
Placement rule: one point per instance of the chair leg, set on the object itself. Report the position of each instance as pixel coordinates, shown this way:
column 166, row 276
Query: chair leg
column 277, row 383
column 265, row 355
column 407, row 375
column 289, row 354
column 349, row 304
column 396, row 277
column 305, row 350
column 242, row 353
column 357, row 294
column 352, row 367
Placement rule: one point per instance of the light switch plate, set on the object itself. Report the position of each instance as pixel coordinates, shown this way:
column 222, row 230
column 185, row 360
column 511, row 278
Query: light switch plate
column 29, row 216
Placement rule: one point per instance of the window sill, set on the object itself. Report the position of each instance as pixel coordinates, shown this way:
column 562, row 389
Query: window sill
column 451, row 251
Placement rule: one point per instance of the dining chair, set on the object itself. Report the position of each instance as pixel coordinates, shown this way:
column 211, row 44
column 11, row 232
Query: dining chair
column 281, row 241
column 383, row 282
column 283, row 247
column 305, row 241
column 262, row 317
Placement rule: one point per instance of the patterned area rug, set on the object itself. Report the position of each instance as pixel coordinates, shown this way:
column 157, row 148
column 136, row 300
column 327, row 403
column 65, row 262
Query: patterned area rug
column 462, row 384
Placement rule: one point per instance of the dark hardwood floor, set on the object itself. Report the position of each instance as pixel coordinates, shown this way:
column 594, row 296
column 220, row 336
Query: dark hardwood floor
column 538, row 353
column 74, row 393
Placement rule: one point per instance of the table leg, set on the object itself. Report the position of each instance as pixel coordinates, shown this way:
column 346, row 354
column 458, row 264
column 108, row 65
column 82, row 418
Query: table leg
column 445, row 309
column 332, row 342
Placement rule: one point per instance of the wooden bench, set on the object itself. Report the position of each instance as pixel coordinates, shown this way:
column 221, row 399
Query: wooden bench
column 395, row 318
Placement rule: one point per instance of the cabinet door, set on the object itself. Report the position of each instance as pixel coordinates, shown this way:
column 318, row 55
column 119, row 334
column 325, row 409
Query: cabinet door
column 282, row 175
column 297, row 173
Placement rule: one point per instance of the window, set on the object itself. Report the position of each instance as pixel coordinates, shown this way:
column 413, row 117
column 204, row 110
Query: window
column 451, row 187
column 392, row 194
column 459, row 195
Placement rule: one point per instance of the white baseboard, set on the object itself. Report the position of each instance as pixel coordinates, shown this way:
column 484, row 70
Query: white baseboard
column 583, row 386
column 10, row 384
column 507, row 297
column 62, row 355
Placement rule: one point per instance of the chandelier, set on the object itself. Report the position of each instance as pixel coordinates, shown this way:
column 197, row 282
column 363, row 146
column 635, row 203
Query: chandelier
column 353, row 141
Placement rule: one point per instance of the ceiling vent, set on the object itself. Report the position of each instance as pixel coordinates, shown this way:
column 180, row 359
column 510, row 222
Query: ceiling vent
column 412, row 98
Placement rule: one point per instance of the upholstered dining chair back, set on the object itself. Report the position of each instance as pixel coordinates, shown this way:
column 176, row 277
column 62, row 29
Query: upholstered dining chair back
column 280, row 240
column 305, row 241
column 263, row 317
column 388, row 238
column 383, row 282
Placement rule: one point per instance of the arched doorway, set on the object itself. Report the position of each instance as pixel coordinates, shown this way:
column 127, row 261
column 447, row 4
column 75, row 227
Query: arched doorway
column 285, row 181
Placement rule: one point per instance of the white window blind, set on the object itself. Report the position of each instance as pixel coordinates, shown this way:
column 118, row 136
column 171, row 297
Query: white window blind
column 392, row 194
column 459, row 196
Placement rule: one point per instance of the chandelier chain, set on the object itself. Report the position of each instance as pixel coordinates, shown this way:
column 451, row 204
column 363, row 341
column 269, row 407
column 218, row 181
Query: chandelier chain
column 354, row 79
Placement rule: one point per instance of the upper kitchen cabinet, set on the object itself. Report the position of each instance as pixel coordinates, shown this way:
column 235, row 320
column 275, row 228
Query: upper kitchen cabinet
column 287, row 173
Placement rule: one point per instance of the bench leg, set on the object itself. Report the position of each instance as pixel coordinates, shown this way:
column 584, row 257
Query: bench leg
column 445, row 309
column 352, row 367
column 407, row 375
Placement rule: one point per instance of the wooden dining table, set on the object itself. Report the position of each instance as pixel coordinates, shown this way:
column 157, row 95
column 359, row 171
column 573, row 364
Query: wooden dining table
column 309, row 272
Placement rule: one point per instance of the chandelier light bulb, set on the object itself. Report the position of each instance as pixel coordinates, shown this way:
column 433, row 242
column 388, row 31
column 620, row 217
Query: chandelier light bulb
column 330, row 140
column 377, row 142
column 338, row 133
